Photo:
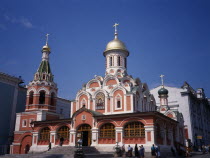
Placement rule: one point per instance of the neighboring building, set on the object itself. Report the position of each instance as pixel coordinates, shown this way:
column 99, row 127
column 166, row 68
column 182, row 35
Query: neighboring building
column 63, row 107
column 12, row 100
column 110, row 109
column 172, row 112
column 195, row 109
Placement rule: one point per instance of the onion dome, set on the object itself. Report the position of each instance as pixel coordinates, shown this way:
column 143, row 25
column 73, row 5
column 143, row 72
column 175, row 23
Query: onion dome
column 116, row 44
column 46, row 48
column 163, row 91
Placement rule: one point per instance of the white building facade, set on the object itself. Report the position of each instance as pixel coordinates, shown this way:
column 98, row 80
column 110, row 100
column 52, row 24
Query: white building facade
column 195, row 109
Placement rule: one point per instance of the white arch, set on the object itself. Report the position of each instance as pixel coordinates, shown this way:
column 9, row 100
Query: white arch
column 110, row 77
column 32, row 89
column 92, row 81
column 53, row 91
column 80, row 93
column 102, row 91
column 117, row 88
column 43, row 89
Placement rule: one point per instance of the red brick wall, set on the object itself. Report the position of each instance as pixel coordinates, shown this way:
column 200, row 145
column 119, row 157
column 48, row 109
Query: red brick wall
column 111, row 82
column 94, row 84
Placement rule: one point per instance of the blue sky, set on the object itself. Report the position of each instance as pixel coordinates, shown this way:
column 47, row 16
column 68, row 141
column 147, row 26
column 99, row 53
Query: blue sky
column 170, row 37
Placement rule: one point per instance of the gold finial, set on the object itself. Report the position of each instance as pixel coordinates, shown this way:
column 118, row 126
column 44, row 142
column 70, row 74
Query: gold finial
column 161, row 76
column 115, row 26
column 47, row 38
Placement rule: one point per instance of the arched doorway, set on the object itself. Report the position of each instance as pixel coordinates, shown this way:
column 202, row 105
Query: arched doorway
column 27, row 148
column 84, row 133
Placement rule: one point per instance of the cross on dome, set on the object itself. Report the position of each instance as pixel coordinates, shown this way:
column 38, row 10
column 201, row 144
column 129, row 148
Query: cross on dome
column 161, row 76
column 47, row 38
column 115, row 29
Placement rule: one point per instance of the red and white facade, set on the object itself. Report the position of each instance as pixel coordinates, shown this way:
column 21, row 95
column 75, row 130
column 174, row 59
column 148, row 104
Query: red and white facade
column 110, row 109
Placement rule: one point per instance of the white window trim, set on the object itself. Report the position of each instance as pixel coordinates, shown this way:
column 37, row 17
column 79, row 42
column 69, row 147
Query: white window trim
column 116, row 99
column 23, row 123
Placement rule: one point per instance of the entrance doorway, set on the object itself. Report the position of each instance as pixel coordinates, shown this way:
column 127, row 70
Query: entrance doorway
column 84, row 133
column 27, row 148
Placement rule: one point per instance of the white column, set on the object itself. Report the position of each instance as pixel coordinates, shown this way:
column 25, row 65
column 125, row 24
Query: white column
column 150, row 129
column 35, row 138
column 94, row 136
column 119, row 130
column 52, row 134
column 72, row 137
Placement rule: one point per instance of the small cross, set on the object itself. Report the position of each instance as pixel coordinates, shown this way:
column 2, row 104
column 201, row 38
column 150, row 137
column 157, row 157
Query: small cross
column 115, row 26
column 161, row 76
column 47, row 38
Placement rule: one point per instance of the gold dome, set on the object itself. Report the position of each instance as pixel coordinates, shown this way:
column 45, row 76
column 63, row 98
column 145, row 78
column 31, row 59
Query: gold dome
column 116, row 44
column 46, row 48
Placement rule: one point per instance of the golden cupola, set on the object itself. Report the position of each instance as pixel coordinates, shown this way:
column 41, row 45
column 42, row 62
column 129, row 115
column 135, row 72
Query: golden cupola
column 116, row 44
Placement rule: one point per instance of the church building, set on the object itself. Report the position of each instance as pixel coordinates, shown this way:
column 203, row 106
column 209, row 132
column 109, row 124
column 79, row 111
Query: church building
column 116, row 108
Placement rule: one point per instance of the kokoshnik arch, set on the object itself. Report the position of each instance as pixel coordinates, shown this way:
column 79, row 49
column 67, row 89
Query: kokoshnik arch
column 106, row 110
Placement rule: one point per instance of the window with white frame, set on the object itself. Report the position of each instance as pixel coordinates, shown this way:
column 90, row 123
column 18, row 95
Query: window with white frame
column 118, row 102
column 24, row 123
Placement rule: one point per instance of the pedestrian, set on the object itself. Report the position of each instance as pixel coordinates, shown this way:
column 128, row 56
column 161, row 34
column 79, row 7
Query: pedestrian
column 49, row 146
column 79, row 142
column 61, row 141
column 153, row 151
column 173, row 151
column 157, row 150
column 136, row 151
column 123, row 151
column 130, row 151
column 141, row 151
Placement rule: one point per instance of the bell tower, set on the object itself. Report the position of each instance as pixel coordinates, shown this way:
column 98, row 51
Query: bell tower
column 42, row 90
column 163, row 95
column 116, row 55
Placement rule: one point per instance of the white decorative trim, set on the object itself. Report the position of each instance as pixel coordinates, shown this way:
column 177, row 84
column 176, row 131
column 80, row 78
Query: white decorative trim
column 43, row 89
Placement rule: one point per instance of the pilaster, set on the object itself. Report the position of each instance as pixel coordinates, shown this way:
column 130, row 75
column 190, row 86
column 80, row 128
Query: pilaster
column 72, row 134
column 94, row 136
column 119, row 135
column 149, row 134
column 52, row 137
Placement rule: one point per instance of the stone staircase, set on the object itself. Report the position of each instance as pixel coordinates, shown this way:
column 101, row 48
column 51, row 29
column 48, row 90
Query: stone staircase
column 62, row 152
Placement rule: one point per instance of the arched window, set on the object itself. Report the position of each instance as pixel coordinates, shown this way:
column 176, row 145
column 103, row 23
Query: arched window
column 118, row 60
column 83, row 103
column 45, row 134
column 31, row 95
column 107, row 131
column 118, row 102
column 110, row 61
column 42, row 97
column 52, row 99
column 134, row 129
column 63, row 132
column 100, row 101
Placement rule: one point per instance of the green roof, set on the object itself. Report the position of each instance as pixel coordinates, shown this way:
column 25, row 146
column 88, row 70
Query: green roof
column 44, row 67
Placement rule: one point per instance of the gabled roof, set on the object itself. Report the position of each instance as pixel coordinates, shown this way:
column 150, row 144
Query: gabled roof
column 94, row 113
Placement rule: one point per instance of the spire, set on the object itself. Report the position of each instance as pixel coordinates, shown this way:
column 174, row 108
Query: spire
column 115, row 33
column 44, row 71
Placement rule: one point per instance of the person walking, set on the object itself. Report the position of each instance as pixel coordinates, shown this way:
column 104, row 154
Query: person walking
column 136, row 151
column 130, row 151
column 49, row 146
column 141, row 151
column 153, row 151
column 157, row 150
